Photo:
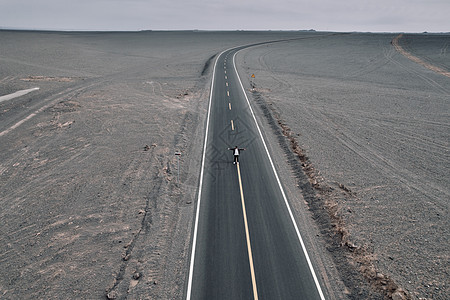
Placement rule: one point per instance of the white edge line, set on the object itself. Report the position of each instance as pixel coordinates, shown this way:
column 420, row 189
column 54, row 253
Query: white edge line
column 319, row 289
column 194, row 239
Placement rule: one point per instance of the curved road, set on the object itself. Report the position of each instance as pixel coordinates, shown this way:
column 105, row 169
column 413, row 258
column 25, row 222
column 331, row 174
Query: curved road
column 246, row 244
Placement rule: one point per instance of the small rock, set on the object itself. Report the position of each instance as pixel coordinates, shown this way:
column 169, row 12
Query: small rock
column 136, row 275
column 112, row 295
column 155, row 282
column 398, row 295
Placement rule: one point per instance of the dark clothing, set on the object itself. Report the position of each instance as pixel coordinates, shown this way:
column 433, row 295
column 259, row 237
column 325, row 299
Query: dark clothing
column 236, row 152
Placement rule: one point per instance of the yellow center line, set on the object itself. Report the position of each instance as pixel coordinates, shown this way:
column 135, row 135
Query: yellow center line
column 247, row 235
column 229, row 105
column 232, row 125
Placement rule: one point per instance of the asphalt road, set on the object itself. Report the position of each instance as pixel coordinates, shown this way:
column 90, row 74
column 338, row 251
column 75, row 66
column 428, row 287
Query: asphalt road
column 245, row 245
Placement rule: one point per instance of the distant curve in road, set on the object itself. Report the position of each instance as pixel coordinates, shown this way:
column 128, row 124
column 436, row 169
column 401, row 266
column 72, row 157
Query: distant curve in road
column 246, row 243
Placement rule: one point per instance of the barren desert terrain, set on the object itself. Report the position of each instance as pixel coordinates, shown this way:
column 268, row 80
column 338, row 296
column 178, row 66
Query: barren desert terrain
column 370, row 127
column 91, row 204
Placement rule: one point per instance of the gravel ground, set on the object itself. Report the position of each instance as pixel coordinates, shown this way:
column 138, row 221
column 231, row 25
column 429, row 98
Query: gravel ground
column 91, row 205
column 88, row 184
column 370, row 129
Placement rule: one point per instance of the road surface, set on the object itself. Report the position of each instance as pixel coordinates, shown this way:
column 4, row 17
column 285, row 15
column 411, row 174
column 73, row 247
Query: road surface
column 246, row 244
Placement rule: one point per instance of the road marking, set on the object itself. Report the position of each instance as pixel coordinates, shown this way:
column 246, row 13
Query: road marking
column 226, row 83
column 17, row 94
column 311, row 268
column 226, row 77
column 225, row 72
column 200, row 185
column 229, row 105
column 247, row 235
column 228, row 93
column 232, row 125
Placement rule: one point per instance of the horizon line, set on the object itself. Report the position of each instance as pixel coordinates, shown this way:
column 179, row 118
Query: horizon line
column 6, row 28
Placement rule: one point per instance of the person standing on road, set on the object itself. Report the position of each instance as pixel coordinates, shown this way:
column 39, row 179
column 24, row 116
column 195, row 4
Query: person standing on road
column 236, row 152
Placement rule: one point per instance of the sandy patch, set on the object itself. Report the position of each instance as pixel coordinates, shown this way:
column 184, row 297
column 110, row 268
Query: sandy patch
column 416, row 59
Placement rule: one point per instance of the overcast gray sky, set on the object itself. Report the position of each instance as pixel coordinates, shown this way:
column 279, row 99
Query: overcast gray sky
column 329, row 15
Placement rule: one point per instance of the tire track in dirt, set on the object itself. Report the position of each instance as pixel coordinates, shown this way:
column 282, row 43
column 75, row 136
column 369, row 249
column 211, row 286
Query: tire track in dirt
column 429, row 80
column 375, row 63
column 444, row 49
column 388, row 166
column 400, row 49
column 150, row 204
column 68, row 93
